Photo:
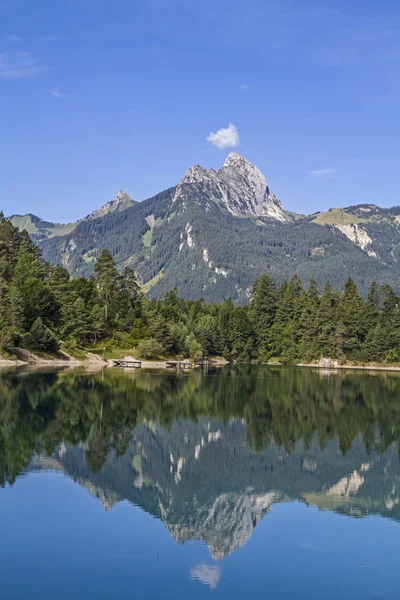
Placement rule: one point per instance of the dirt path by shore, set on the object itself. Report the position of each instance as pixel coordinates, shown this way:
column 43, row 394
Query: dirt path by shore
column 27, row 358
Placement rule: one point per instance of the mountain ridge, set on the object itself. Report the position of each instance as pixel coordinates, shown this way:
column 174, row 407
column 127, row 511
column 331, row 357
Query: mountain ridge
column 249, row 190
column 40, row 229
column 217, row 230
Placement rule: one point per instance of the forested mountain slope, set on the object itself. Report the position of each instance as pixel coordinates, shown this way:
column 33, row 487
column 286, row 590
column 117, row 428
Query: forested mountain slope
column 374, row 229
column 40, row 230
column 214, row 232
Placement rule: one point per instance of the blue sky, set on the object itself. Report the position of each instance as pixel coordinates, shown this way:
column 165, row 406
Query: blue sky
column 99, row 95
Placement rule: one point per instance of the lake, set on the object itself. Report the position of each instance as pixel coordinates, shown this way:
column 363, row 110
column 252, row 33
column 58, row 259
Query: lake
column 247, row 482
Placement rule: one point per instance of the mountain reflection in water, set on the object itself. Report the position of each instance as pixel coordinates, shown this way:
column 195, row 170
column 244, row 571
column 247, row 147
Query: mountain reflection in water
column 210, row 453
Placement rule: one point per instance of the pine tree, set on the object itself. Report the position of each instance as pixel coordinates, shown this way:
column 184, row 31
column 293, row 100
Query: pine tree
column 41, row 337
column 160, row 331
column 389, row 321
column 107, row 279
column 308, row 323
column 262, row 314
column 59, row 283
column 205, row 332
column 390, row 302
column 223, row 334
column 350, row 315
column 172, row 308
column 129, row 300
column 242, row 334
column 371, row 308
column 97, row 322
column 29, row 280
column 79, row 323
column 376, row 345
column 8, row 242
column 15, row 308
column 327, row 321
column 129, row 284
column 286, row 333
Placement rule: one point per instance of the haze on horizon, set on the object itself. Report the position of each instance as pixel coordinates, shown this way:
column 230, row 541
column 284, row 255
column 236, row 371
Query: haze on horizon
column 100, row 96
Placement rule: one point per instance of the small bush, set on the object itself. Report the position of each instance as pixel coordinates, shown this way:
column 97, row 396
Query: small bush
column 120, row 339
column 149, row 349
column 9, row 337
column 139, row 332
column 194, row 348
column 392, row 356
column 72, row 348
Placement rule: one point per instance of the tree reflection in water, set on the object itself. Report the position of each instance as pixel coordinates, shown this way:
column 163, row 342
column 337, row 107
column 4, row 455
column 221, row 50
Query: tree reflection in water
column 209, row 454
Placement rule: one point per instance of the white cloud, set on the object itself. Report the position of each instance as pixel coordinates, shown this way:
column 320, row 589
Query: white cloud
column 208, row 574
column 244, row 87
column 225, row 138
column 323, row 172
column 19, row 65
column 57, row 93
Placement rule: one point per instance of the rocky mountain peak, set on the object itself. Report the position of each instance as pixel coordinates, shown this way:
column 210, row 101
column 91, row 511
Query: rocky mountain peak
column 122, row 197
column 238, row 187
column 193, row 175
column 237, row 165
column 251, row 185
column 121, row 201
column 234, row 160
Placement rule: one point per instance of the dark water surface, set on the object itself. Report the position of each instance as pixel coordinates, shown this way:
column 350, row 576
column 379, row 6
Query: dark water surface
column 240, row 483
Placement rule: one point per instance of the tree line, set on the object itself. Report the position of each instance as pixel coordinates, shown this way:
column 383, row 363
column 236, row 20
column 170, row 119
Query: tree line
column 43, row 308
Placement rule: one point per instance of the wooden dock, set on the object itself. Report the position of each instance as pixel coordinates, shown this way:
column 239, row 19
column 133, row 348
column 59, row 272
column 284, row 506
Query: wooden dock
column 179, row 364
column 128, row 364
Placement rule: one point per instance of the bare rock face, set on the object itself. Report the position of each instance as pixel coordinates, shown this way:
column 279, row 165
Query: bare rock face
column 238, row 187
column 250, row 187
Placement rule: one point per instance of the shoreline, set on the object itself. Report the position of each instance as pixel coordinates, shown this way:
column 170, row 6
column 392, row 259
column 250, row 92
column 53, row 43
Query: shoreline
column 93, row 360
column 29, row 359
column 378, row 367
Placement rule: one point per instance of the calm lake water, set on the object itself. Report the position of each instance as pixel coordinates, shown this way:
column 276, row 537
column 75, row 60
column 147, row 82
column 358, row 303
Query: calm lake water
column 240, row 483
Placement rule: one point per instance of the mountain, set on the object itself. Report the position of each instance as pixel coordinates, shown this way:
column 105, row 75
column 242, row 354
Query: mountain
column 40, row 230
column 373, row 229
column 121, row 202
column 214, row 232
column 238, row 187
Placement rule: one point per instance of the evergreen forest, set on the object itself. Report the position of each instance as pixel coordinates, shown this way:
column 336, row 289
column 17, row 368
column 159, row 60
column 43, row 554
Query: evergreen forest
column 42, row 308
